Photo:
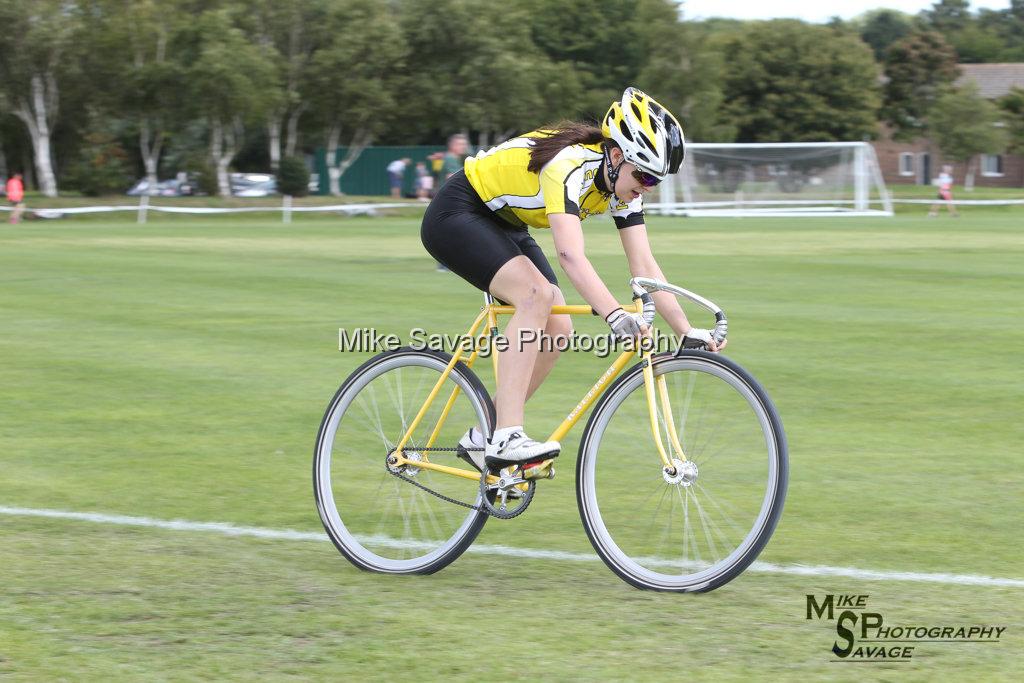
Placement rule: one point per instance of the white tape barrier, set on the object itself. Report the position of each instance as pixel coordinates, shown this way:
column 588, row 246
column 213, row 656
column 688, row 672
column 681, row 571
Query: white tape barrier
column 963, row 202
column 814, row 205
column 142, row 208
column 721, row 208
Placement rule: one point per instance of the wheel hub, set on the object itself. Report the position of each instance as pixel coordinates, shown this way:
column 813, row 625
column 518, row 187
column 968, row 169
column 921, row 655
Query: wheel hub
column 406, row 468
column 684, row 474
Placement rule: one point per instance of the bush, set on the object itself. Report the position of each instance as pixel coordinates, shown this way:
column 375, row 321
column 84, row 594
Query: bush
column 201, row 172
column 206, row 179
column 293, row 177
column 102, row 167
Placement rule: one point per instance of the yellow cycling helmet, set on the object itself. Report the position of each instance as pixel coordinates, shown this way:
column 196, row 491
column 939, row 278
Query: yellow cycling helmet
column 648, row 134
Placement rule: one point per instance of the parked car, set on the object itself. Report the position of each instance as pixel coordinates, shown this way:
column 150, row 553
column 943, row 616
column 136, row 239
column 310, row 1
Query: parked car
column 253, row 184
column 184, row 185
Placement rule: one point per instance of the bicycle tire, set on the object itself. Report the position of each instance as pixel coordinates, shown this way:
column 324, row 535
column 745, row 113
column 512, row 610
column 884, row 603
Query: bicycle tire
column 353, row 542
column 636, row 569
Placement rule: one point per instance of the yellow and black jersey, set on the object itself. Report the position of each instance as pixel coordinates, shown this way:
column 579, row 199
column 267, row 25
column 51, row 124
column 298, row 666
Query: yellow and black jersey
column 569, row 183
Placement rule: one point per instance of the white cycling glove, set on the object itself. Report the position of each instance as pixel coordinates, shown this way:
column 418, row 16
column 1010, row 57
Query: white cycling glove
column 697, row 338
column 625, row 325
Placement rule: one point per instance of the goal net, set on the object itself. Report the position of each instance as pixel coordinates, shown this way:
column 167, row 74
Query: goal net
column 775, row 179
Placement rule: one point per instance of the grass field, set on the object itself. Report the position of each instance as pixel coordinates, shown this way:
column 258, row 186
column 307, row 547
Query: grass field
column 179, row 370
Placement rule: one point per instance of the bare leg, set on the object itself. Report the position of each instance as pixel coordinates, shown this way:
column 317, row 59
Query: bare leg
column 558, row 327
column 522, row 285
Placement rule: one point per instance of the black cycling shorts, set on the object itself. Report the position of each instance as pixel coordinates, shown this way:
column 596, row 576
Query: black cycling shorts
column 463, row 234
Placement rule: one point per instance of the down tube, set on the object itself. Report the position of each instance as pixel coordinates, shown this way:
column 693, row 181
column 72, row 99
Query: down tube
column 592, row 395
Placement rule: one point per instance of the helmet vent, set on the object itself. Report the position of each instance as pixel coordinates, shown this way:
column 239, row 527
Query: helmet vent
column 642, row 139
column 636, row 109
column 644, row 157
column 625, row 131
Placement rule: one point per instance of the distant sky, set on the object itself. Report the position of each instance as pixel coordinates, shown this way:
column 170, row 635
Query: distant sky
column 809, row 11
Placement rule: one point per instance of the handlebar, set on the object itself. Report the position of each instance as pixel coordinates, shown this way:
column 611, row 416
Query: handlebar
column 642, row 286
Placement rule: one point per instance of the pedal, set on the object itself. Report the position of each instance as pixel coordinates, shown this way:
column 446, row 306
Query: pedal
column 539, row 470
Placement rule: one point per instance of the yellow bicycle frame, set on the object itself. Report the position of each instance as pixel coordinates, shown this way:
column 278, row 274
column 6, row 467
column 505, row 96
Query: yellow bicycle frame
column 656, row 392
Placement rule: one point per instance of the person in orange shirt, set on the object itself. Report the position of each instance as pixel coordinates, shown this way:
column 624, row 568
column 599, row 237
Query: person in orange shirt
column 16, row 196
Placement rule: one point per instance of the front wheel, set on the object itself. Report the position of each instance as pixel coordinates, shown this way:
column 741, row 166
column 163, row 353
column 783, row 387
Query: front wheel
column 700, row 526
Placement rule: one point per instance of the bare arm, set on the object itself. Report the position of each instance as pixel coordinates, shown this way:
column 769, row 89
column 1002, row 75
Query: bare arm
column 568, row 234
column 643, row 264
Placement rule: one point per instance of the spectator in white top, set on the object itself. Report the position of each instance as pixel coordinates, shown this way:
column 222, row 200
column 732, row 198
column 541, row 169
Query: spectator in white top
column 424, row 182
column 396, row 174
column 945, row 183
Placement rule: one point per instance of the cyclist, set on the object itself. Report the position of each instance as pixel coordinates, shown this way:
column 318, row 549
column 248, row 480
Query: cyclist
column 554, row 177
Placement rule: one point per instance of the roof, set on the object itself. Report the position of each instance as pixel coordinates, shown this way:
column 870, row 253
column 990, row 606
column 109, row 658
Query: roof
column 993, row 80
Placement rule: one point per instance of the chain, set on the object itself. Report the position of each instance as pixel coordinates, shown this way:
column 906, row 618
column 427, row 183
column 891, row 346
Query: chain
column 478, row 508
column 435, row 493
column 430, row 490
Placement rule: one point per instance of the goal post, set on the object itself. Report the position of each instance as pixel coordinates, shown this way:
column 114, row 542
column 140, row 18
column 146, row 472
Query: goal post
column 784, row 179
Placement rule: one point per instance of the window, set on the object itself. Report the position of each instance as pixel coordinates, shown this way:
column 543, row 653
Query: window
column 991, row 165
column 906, row 163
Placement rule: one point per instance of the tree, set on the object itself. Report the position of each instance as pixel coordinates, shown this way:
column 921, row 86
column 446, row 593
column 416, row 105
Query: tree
column 917, row 67
column 789, row 81
column 135, row 43
column 1012, row 106
column 34, row 61
column 293, row 177
column 1007, row 27
column 963, row 125
column 475, row 67
column 232, row 81
column 354, row 80
column 502, row 81
column 683, row 74
column 881, row 28
column 977, row 43
column 977, row 38
column 289, row 33
column 102, row 166
column 948, row 15
column 606, row 42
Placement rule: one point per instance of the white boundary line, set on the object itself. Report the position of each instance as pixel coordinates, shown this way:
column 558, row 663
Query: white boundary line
column 530, row 553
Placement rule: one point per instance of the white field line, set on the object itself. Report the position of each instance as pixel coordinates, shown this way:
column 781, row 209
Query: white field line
column 483, row 549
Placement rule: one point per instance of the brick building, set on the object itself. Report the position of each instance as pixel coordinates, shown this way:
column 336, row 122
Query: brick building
column 919, row 161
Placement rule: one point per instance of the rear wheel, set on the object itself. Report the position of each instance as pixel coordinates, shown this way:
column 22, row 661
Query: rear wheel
column 378, row 521
column 700, row 526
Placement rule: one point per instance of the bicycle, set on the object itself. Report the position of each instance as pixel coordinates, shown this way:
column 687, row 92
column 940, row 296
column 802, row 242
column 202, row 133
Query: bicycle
column 686, row 507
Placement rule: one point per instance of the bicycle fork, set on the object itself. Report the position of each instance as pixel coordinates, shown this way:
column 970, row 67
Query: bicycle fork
column 657, row 385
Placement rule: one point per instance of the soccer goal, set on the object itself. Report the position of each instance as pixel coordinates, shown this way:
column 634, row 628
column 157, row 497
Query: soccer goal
column 776, row 179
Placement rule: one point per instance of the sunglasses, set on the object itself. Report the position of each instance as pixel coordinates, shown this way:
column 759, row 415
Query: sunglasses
column 645, row 179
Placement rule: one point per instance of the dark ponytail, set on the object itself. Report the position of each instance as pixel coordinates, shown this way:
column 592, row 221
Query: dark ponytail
column 562, row 135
